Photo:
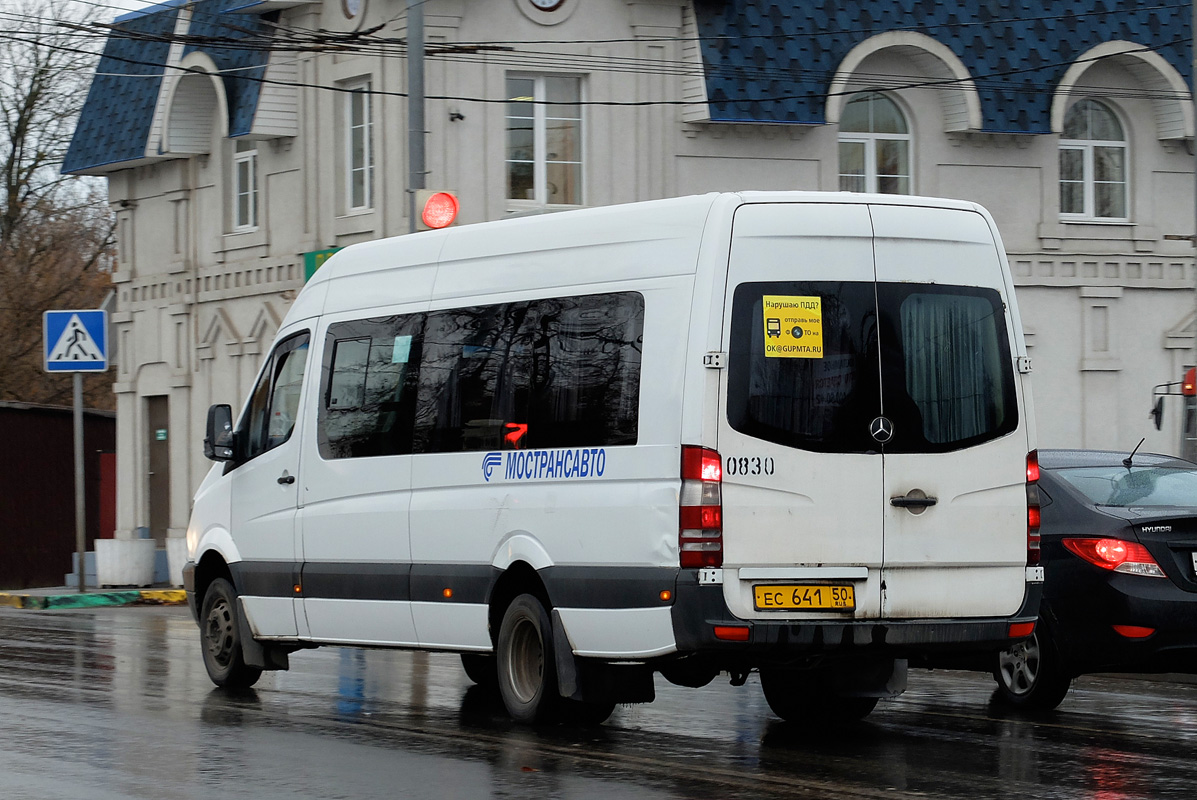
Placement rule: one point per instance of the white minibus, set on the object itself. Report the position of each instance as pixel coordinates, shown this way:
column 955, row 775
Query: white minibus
column 782, row 432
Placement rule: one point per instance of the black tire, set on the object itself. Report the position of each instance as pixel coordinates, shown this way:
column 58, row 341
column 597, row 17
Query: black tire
column 795, row 697
column 220, row 638
column 1030, row 674
column 527, row 667
column 481, row 668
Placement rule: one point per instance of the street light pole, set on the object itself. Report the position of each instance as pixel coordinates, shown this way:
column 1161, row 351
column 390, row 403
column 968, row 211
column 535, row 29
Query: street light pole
column 415, row 105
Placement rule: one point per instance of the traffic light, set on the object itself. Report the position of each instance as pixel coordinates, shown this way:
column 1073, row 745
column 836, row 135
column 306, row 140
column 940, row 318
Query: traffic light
column 435, row 208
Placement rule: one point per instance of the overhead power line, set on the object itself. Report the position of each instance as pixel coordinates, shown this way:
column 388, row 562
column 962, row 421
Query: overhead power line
column 366, row 44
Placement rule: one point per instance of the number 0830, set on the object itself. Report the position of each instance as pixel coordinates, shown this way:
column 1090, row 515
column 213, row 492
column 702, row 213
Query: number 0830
column 749, row 465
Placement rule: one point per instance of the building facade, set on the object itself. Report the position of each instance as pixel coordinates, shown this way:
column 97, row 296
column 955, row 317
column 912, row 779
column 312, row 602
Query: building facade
column 243, row 142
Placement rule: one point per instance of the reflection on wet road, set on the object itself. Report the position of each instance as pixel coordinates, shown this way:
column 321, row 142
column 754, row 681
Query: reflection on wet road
column 114, row 703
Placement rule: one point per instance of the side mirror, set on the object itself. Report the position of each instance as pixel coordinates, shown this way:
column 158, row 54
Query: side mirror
column 218, row 436
column 1157, row 413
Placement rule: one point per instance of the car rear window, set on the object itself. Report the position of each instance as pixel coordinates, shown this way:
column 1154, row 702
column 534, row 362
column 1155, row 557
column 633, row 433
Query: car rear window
column 934, row 359
column 1136, row 486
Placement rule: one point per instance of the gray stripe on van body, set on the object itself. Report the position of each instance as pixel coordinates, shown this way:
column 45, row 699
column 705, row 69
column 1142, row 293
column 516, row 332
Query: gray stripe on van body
column 356, row 580
column 265, row 578
column 568, row 586
column 609, row 587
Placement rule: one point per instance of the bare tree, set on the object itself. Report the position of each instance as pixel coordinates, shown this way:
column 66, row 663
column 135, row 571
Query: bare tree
column 56, row 232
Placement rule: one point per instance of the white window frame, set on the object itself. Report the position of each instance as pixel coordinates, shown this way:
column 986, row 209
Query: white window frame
column 1088, row 148
column 250, row 157
column 359, row 90
column 870, row 140
column 540, row 146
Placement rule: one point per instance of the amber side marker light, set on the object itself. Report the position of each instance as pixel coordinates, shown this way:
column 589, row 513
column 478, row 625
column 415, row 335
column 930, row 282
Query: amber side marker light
column 1020, row 629
column 731, row 633
column 1133, row 631
column 447, row 592
column 298, row 589
column 666, row 595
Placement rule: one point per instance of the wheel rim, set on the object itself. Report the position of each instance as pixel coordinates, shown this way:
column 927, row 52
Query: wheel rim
column 1019, row 666
column 526, row 661
column 220, row 633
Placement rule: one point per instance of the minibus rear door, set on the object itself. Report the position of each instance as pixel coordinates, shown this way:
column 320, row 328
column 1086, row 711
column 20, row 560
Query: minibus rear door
column 802, row 479
column 955, row 500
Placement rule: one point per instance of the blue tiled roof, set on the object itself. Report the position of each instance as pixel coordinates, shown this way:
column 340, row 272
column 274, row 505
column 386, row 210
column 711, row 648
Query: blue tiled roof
column 242, row 68
column 774, row 61
column 114, row 125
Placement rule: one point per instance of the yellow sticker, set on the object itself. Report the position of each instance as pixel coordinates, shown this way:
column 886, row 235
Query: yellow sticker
column 793, row 326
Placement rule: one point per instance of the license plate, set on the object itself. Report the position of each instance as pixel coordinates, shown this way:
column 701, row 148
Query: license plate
column 789, row 597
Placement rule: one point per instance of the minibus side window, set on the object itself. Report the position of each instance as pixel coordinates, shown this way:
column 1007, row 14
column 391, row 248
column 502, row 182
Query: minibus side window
column 368, row 387
column 274, row 404
column 474, row 379
column 550, row 373
column 586, row 355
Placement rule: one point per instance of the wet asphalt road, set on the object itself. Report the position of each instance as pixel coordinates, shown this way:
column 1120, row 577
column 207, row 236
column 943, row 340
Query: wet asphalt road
column 114, row 703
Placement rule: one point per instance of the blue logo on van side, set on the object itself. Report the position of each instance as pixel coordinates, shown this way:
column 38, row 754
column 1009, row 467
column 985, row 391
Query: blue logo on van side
column 522, row 465
column 489, row 462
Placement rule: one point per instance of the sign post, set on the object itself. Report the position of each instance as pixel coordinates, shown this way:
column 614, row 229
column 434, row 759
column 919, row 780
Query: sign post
column 77, row 342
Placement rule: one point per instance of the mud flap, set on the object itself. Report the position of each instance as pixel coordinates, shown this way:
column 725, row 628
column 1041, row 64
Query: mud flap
column 590, row 680
column 253, row 652
column 567, row 666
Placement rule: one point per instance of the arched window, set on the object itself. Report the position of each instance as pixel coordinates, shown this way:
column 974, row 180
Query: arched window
column 874, row 146
column 1092, row 164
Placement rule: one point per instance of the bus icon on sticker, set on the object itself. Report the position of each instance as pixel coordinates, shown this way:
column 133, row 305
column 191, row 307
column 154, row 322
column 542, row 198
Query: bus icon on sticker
column 773, row 327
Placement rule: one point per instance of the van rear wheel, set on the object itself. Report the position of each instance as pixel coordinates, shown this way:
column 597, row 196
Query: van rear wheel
column 527, row 669
column 794, row 697
column 221, row 639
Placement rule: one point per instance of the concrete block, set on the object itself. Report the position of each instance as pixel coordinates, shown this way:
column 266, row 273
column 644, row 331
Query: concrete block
column 176, row 555
column 125, row 562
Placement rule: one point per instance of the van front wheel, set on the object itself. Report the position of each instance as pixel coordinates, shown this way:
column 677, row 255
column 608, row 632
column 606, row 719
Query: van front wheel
column 221, row 638
column 527, row 669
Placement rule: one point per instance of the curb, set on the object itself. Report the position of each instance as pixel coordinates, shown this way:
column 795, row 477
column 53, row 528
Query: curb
column 160, row 597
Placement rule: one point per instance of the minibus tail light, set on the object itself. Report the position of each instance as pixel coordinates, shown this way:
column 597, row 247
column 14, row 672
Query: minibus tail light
column 1033, row 538
column 700, row 514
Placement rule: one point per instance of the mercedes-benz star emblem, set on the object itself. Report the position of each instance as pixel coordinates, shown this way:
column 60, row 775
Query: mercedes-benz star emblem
column 882, row 429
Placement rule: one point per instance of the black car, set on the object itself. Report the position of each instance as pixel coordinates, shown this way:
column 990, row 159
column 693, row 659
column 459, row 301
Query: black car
column 1119, row 551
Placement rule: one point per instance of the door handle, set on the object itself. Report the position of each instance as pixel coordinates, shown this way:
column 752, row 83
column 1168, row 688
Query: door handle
column 906, row 501
column 286, row 479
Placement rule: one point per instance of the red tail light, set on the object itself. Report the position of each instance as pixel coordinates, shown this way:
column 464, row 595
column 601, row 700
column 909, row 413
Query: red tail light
column 700, row 517
column 1019, row 630
column 1033, row 540
column 1117, row 555
column 1133, row 631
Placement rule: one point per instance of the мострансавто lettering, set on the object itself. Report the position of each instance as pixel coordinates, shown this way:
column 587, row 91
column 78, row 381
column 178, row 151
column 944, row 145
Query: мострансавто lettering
column 584, row 462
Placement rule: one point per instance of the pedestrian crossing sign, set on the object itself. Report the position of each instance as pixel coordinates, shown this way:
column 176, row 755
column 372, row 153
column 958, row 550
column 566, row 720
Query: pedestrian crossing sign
column 76, row 341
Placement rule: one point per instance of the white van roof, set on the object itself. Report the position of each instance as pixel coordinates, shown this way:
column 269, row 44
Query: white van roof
column 597, row 246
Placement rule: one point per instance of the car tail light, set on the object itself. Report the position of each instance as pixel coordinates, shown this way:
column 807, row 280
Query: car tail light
column 1117, row 555
column 700, row 523
column 1033, row 539
column 1133, row 631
